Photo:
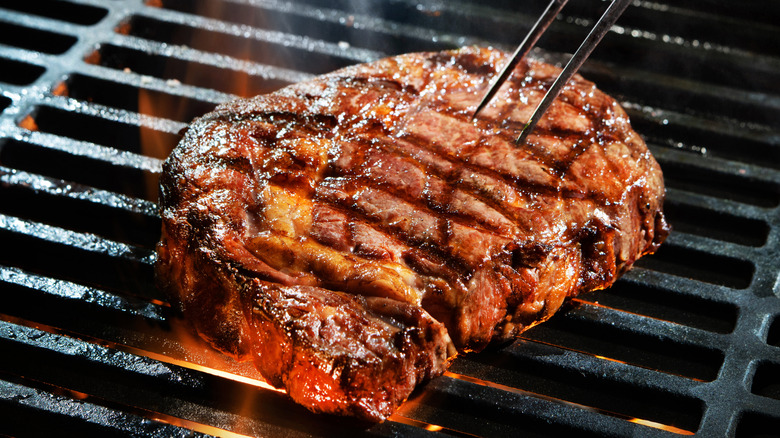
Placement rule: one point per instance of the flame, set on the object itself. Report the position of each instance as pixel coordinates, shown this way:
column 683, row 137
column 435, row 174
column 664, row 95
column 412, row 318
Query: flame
column 661, row 426
column 195, row 354
column 61, row 89
column 28, row 123
column 218, row 359
column 190, row 351
column 400, row 418
column 197, row 427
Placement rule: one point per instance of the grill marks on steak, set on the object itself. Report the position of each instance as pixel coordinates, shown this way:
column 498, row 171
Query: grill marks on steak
column 351, row 231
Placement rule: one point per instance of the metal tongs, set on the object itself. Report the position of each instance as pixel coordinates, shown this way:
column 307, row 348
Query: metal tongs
column 601, row 28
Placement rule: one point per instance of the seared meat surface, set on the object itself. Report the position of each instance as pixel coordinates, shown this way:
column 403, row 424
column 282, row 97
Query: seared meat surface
column 352, row 232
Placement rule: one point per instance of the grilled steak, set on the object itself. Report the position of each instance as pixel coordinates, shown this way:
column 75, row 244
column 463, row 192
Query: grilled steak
column 352, row 232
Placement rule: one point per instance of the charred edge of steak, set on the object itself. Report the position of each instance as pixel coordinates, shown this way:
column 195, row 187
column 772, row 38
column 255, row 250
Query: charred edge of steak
column 341, row 353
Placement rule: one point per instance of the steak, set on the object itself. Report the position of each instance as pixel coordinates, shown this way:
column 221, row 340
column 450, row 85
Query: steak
column 352, row 233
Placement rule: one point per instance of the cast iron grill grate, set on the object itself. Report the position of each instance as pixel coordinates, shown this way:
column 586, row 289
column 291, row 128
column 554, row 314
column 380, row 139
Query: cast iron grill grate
column 93, row 95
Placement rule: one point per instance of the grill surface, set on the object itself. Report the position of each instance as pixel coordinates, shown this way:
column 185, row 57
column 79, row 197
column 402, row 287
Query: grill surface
column 93, row 95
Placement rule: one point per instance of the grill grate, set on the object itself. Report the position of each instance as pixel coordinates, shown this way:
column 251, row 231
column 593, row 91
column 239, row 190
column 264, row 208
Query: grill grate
column 93, row 95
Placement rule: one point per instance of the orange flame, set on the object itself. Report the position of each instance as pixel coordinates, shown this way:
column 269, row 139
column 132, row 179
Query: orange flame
column 661, row 426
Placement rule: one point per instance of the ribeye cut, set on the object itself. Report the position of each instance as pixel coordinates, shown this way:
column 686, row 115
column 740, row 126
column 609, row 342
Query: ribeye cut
column 351, row 233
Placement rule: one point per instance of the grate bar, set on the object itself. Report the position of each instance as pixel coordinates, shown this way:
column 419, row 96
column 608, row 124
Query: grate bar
column 196, row 57
column 27, row 409
column 57, row 187
column 73, row 291
column 538, row 415
column 83, row 241
column 282, row 39
column 90, row 150
column 716, row 204
column 40, row 23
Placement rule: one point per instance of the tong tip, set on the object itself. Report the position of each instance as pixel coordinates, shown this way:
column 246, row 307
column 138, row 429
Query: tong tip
column 523, row 134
